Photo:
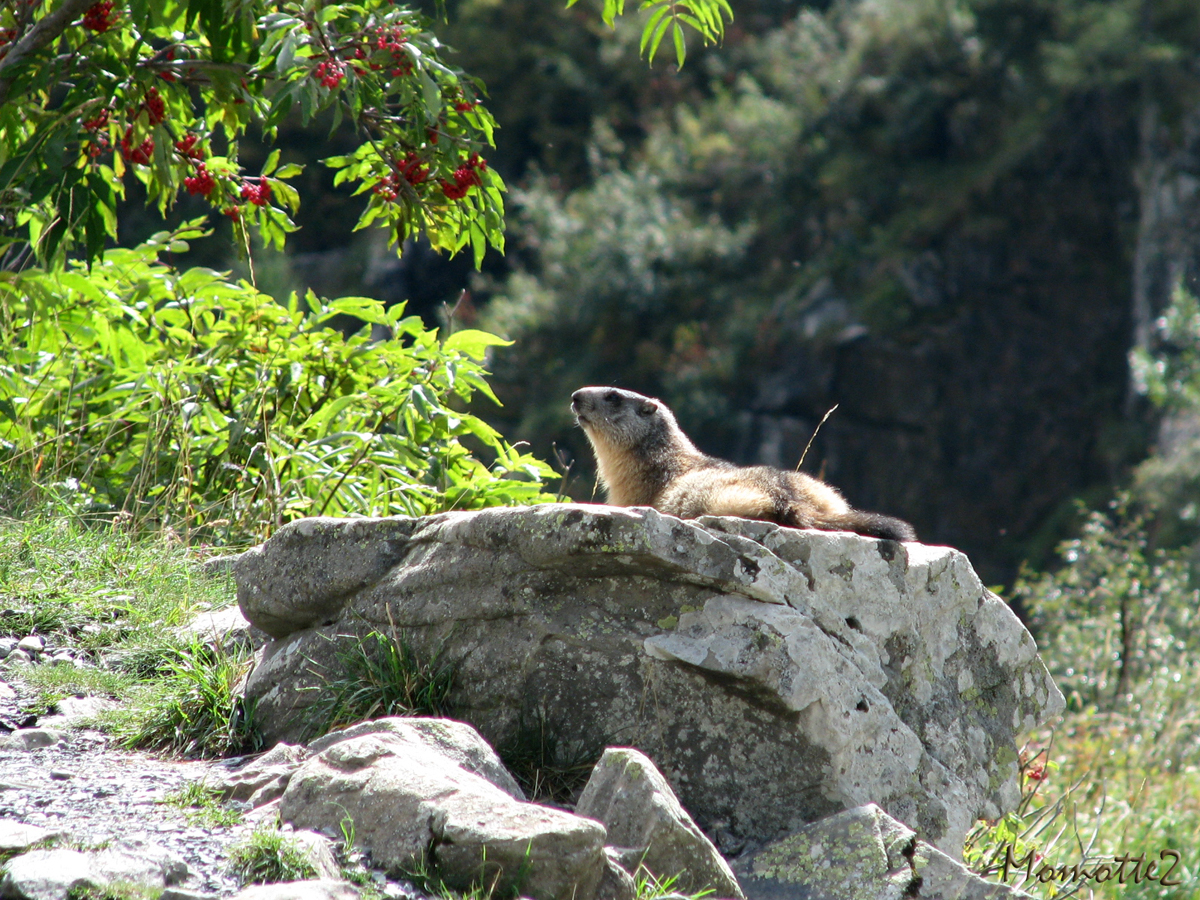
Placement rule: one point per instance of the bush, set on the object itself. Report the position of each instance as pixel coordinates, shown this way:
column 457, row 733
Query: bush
column 184, row 399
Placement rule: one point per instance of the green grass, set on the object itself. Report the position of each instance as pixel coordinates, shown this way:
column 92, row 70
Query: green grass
column 269, row 856
column 202, row 805
column 1119, row 776
column 94, row 587
column 384, row 675
column 118, row 600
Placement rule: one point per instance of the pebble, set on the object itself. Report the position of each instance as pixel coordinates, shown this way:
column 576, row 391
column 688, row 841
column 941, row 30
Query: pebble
column 33, row 644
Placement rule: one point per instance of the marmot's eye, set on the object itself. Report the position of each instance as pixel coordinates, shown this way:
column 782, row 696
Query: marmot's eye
column 612, row 397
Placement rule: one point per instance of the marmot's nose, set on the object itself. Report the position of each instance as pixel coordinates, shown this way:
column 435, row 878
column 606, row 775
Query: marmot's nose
column 575, row 397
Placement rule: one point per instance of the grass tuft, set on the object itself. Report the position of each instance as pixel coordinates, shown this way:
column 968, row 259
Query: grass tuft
column 269, row 856
column 196, row 711
column 383, row 675
column 202, row 805
column 548, row 768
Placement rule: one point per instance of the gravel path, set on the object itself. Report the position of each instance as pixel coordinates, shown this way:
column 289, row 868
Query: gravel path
column 94, row 794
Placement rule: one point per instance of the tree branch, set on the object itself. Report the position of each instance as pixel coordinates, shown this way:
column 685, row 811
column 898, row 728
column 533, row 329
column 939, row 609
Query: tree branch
column 43, row 32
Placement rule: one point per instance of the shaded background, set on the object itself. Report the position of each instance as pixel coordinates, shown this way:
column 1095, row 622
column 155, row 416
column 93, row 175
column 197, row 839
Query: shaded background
column 954, row 220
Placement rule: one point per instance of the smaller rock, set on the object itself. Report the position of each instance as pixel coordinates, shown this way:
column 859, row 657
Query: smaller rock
column 18, row 658
column 70, row 710
column 17, row 837
column 61, row 775
column 7, row 646
column 264, row 779
column 318, row 850
column 301, row 890
column 632, row 799
column 36, row 738
column 616, row 883
column 46, row 874
column 867, row 848
column 226, row 628
column 174, row 893
column 34, row 644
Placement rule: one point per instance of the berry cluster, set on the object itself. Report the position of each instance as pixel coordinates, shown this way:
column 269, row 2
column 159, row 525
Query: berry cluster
column 259, row 194
column 201, row 183
column 465, row 177
column 390, row 39
column 187, row 146
column 100, row 16
column 97, row 121
column 155, row 106
column 330, row 73
column 141, row 154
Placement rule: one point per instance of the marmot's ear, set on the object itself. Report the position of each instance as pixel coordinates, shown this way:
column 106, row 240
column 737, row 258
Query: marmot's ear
column 647, row 408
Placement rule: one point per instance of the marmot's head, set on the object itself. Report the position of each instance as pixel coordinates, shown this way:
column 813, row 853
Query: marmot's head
column 620, row 418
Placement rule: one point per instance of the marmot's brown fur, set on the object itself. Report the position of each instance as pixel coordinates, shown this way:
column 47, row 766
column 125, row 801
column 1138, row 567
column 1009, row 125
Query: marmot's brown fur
column 645, row 459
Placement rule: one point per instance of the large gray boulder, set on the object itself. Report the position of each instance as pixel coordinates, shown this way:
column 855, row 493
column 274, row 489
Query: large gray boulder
column 417, row 795
column 775, row 675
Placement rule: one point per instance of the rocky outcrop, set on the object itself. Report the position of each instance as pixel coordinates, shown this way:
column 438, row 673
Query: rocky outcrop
column 776, row 676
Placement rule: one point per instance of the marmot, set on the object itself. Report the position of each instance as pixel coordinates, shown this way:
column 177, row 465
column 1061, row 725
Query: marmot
column 645, row 459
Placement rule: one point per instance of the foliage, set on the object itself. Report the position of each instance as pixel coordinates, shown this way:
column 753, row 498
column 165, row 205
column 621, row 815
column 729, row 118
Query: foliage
column 649, row 887
column 93, row 92
column 269, row 856
column 165, row 91
column 187, row 399
column 1118, row 628
column 383, row 675
column 195, row 709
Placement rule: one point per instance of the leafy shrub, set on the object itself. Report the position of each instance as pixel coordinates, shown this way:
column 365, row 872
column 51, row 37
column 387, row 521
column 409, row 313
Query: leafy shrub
column 1118, row 628
column 183, row 398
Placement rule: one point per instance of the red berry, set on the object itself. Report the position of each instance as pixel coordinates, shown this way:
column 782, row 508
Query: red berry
column 141, row 154
column 156, row 108
column 330, row 73
column 187, row 146
column 233, row 212
column 258, row 194
column 99, row 16
column 201, row 183
column 97, row 122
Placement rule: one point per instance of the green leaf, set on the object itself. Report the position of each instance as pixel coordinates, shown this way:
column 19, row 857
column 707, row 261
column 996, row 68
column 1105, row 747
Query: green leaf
column 473, row 342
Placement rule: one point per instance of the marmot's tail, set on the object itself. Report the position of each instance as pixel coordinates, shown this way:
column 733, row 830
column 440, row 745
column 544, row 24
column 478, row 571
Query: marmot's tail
column 877, row 525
